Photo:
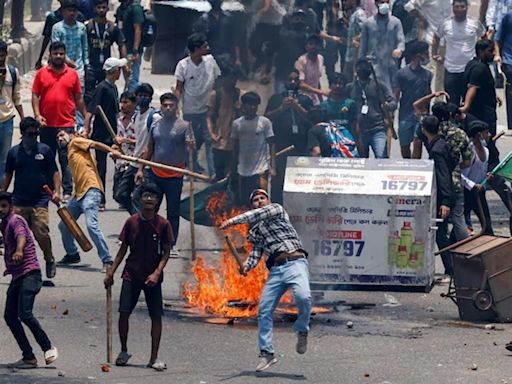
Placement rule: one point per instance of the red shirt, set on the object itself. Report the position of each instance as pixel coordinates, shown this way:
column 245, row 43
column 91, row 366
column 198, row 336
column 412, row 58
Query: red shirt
column 57, row 95
column 146, row 240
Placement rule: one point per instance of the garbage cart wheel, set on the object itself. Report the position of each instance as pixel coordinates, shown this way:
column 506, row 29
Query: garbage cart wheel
column 482, row 300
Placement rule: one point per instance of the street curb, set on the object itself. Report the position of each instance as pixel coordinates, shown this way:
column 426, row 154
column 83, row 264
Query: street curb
column 25, row 54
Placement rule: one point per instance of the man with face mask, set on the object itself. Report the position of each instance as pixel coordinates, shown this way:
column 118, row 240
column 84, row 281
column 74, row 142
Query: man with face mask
column 170, row 139
column 383, row 42
column 372, row 101
column 33, row 164
column 288, row 112
column 411, row 83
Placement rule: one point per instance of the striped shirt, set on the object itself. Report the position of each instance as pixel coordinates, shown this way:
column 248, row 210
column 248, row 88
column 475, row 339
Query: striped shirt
column 271, row 233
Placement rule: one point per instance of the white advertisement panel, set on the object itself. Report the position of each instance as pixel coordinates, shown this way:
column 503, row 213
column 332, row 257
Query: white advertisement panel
column 364, row 221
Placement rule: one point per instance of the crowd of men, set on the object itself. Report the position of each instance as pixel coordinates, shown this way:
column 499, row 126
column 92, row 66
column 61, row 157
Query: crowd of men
column 377, row 58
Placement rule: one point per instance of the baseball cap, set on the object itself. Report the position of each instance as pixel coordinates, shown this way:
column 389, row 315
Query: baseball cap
column 113, row 63
column 69, row 4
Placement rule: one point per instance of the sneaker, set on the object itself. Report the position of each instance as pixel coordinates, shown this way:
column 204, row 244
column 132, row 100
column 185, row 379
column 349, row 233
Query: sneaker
column 51, row 355
column 508, row 346
column 51, row 269
column 102, row 207
column 302, row 342
column 106, row 266
column 266, row 360
column 70, row 259
column 23, row 364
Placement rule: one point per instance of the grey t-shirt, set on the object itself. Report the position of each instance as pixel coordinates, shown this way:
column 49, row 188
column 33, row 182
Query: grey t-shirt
column 170, row 137
column 252, row 135
column 413, row 84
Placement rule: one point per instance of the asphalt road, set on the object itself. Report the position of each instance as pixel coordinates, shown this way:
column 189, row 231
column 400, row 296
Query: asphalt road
column 420, row 341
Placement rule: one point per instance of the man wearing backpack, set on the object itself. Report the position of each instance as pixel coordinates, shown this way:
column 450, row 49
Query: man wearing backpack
column 10, row 100
column 130, row 19
column 101, row 35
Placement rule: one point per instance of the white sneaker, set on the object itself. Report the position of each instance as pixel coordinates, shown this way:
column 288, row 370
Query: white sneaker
column 51, row 355
column 266, row 360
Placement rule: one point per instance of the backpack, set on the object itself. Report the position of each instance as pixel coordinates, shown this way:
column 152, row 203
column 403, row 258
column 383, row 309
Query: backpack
column 148, row 25
column 14, row 77
column 149, row 121
column 340, row 140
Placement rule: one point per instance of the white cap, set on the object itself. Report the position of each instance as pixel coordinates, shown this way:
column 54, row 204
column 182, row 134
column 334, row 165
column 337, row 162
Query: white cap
column 113, row 63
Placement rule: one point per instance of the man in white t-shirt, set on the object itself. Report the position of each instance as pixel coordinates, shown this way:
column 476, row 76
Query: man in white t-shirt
column 195, row 78
column 254, row 147
column 460, row 34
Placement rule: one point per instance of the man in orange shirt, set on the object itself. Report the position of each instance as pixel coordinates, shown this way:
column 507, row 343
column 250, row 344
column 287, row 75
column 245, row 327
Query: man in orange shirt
column 88, row 194
column 169, row 137
column 56, row 94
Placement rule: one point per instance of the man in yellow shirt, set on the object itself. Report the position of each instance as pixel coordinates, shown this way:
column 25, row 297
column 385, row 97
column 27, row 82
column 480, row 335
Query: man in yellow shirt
column 88, row 194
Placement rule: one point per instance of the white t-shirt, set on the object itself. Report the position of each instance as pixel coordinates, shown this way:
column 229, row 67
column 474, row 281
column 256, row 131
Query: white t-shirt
column 477, row 171
column 198, row 81
column 252, row 135
column 460, row 40
column 142, row 131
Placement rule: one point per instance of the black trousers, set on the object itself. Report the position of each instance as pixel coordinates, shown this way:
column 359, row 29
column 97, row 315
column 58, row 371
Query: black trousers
column 101, row 165
column 443, row 241
column 264, row 43
column 455, row 86
column 471, row 203
column 21, row 295
column 222, row 161
column 507, row 69
column 124, row 185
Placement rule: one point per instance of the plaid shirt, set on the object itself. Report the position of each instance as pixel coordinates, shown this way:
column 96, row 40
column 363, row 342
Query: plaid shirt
column 75, row 39
column 271, row 233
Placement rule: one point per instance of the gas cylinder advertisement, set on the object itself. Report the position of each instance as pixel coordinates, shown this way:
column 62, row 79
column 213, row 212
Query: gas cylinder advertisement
column 366, row 223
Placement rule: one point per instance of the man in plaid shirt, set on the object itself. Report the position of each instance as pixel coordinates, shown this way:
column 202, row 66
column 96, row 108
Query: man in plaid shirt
column 273, row 234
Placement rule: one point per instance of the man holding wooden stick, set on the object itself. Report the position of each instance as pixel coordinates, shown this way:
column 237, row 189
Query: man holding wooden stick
column 106, row 96
column 87, row 198
column 169, row 139
column 149, row 238
column 273, row 234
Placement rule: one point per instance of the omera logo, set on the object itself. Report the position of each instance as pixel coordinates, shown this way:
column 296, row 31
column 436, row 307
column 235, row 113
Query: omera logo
column 405, row 200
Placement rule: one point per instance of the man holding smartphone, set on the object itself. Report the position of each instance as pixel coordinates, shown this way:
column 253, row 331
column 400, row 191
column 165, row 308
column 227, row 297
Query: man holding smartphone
column 10, row 102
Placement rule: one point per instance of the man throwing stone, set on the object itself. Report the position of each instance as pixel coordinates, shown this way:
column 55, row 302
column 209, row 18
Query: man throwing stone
column 273, row 234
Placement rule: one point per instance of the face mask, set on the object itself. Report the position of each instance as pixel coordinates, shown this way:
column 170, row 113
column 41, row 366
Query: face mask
column 364, row 74
column 384, row 8
column 29, row 141
column 167, row 113
column 143, row 102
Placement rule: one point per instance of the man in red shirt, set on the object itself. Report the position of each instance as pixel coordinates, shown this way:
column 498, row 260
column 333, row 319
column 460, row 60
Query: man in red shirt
column 56, row 95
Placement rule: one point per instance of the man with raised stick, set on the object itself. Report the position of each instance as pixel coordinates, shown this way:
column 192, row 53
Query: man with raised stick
column 273, row 234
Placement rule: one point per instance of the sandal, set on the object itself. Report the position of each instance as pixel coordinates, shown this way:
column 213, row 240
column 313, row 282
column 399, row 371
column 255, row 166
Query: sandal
column 157, row 365
column 122, row 358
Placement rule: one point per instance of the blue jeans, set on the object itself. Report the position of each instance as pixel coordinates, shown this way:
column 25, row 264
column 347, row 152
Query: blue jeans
column 133, row 81
column 6, row 129
column 202, row 136
column 294, row 275
column 88, row 204
column 378, row 142
column 170, row 187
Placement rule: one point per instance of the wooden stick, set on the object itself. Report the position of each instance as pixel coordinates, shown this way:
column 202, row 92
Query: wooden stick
column 235, row 254
column 103, row 116
column 165, row 166
column 498, row 136
column 191, row 202
column 109, row 324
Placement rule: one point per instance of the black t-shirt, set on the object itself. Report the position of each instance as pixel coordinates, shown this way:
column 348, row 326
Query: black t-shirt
column 128, row 14
column 100, row 39
column 32, row 171
column 283, row 124
column 483, row 106
column 317, row 138
column 105, row 95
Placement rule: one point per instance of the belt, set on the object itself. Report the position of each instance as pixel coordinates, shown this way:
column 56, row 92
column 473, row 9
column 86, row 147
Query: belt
column 284, row 258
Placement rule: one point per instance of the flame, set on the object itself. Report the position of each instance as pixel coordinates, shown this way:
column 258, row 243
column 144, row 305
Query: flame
column 216, row 287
